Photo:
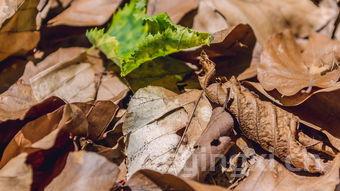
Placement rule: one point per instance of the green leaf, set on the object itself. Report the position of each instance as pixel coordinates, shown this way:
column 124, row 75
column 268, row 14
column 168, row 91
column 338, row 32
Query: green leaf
column 134, row 38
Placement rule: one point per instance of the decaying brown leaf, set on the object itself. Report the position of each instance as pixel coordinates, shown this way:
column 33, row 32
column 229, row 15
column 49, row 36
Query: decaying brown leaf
column 269, row 17
column 213, row 143
column 289, row 67
column 268, row 174
column 86, row 13
column 85, row 171
column 152, row 180
column 163, row 127
column 176, row 9
column 208, row 19
column 45, row 130
column 19, row 22
column 270, row 126
column 69, row 73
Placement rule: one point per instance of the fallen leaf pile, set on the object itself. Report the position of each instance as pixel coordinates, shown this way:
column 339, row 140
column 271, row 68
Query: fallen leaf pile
column 222, row 95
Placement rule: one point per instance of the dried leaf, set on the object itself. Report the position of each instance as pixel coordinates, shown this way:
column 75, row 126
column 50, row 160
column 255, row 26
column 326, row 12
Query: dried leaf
column 176, row 9
column 16, row 175
column 152, row 180
column 268, row 175
column 68, row 73
column 45, row 130
column 225, row 43
column 86, row 13
column 19, row 23
column 270, row 126
column 208, row 19
column 288, row 67
column 269, row 17
column 213, row 144
column 153, row 117
column 85, row 171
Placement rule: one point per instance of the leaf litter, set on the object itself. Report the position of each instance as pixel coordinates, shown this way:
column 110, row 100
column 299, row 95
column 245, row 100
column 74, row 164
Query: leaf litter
column 239, row 94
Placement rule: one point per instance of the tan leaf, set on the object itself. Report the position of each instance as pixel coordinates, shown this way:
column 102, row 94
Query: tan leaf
column 270, row 126
column 45, row 130
column 16, row 175
column 268, row 175
column 289, row 67
column 208, row 19
column 213, row 144
column 152, row 180
column 67, row 73
column 85, row 171
column 153, row 117
column 176, row 9
column 19, row 23
column 269, row 17
column 86, row 13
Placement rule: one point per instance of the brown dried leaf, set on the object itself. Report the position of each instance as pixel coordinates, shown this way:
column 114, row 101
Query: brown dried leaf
column 176, row 9
column 19, row 23
column 152, row 180
column 162, row 128
column 268, row 175
column 86, row 13
column 16, row 175
column 225, row 43
column 288, row 67
column 208, row 19
column 269, row 17
column 85, row 171
column 69, row 74
column 270, row 126
column 45, row 130
column 213, row 144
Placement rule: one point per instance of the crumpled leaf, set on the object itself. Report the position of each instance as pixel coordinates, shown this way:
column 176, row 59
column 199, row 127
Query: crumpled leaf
column 45, row 130
column 289, row 67
column 85, row 171
column 269, row 17
column 208, row 19
column 86, row 13
column 213, row 144
column 176, row 9
column 152, row 180
column 68, row 73
column 226, row 43
column 154, row 115
column 273, row 128
column 19, row 22
column 16, row 175
column 134, row 38
column 268, row 175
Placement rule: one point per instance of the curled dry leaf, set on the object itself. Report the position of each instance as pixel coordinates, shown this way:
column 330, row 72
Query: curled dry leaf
column 226, row 42
column 162, row 128
column 213, row 144
column 45, row 130
column 69, row 73
column 268, row 175
column 85, row 171
column 208, row 19
column 176, row 9
column 19, row 22
column 152, row 180
column 270, row 126
column 86, row 13
column 16, row 175
column 289, row 67
column 269, row 17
